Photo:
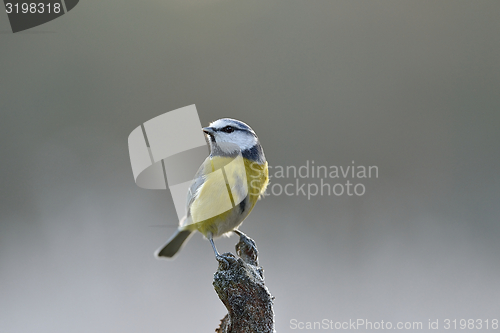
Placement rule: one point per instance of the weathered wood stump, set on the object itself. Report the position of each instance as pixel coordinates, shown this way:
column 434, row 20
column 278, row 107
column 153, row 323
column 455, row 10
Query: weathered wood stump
column 239, row 282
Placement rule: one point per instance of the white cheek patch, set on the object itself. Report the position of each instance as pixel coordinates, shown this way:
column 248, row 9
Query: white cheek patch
column 242, row 140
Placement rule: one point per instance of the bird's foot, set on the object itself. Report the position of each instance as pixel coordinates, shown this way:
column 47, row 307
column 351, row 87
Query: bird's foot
column 246, row 249
column 225, row 260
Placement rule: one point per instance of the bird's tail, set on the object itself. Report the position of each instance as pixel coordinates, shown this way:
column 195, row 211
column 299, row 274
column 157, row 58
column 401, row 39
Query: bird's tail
column 174, row 244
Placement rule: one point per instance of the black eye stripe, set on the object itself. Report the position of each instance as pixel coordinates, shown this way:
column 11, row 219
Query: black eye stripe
column 228, row 129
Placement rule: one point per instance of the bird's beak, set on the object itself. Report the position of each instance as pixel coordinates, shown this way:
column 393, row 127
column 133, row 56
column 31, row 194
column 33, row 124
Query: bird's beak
column 208, row 130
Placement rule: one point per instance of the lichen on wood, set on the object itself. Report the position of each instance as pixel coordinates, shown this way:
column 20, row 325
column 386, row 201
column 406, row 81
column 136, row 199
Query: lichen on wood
column 239, row 283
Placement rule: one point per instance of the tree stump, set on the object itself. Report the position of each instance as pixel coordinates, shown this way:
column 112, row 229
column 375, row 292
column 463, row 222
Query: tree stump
column 239, row 283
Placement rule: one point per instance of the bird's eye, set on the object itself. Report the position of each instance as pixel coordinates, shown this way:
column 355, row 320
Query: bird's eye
column 228, row 129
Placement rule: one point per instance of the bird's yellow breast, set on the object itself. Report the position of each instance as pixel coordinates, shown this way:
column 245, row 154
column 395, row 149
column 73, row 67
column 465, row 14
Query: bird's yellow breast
column 229, row 193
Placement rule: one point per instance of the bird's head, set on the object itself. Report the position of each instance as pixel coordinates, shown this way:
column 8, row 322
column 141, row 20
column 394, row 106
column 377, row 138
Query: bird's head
column 228, row 136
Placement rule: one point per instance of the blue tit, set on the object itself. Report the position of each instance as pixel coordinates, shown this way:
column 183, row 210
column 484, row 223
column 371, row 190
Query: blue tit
column 242, row 185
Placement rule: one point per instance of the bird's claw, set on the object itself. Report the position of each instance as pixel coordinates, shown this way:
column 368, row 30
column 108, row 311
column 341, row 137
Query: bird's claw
column 225, row 260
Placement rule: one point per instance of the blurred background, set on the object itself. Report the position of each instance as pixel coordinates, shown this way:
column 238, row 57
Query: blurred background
column 409, row 86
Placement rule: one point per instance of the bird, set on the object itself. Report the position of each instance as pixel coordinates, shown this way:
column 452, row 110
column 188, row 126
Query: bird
column 230, row 141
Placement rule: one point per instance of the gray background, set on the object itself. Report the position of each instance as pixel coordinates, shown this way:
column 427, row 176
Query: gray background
column 409, row 86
